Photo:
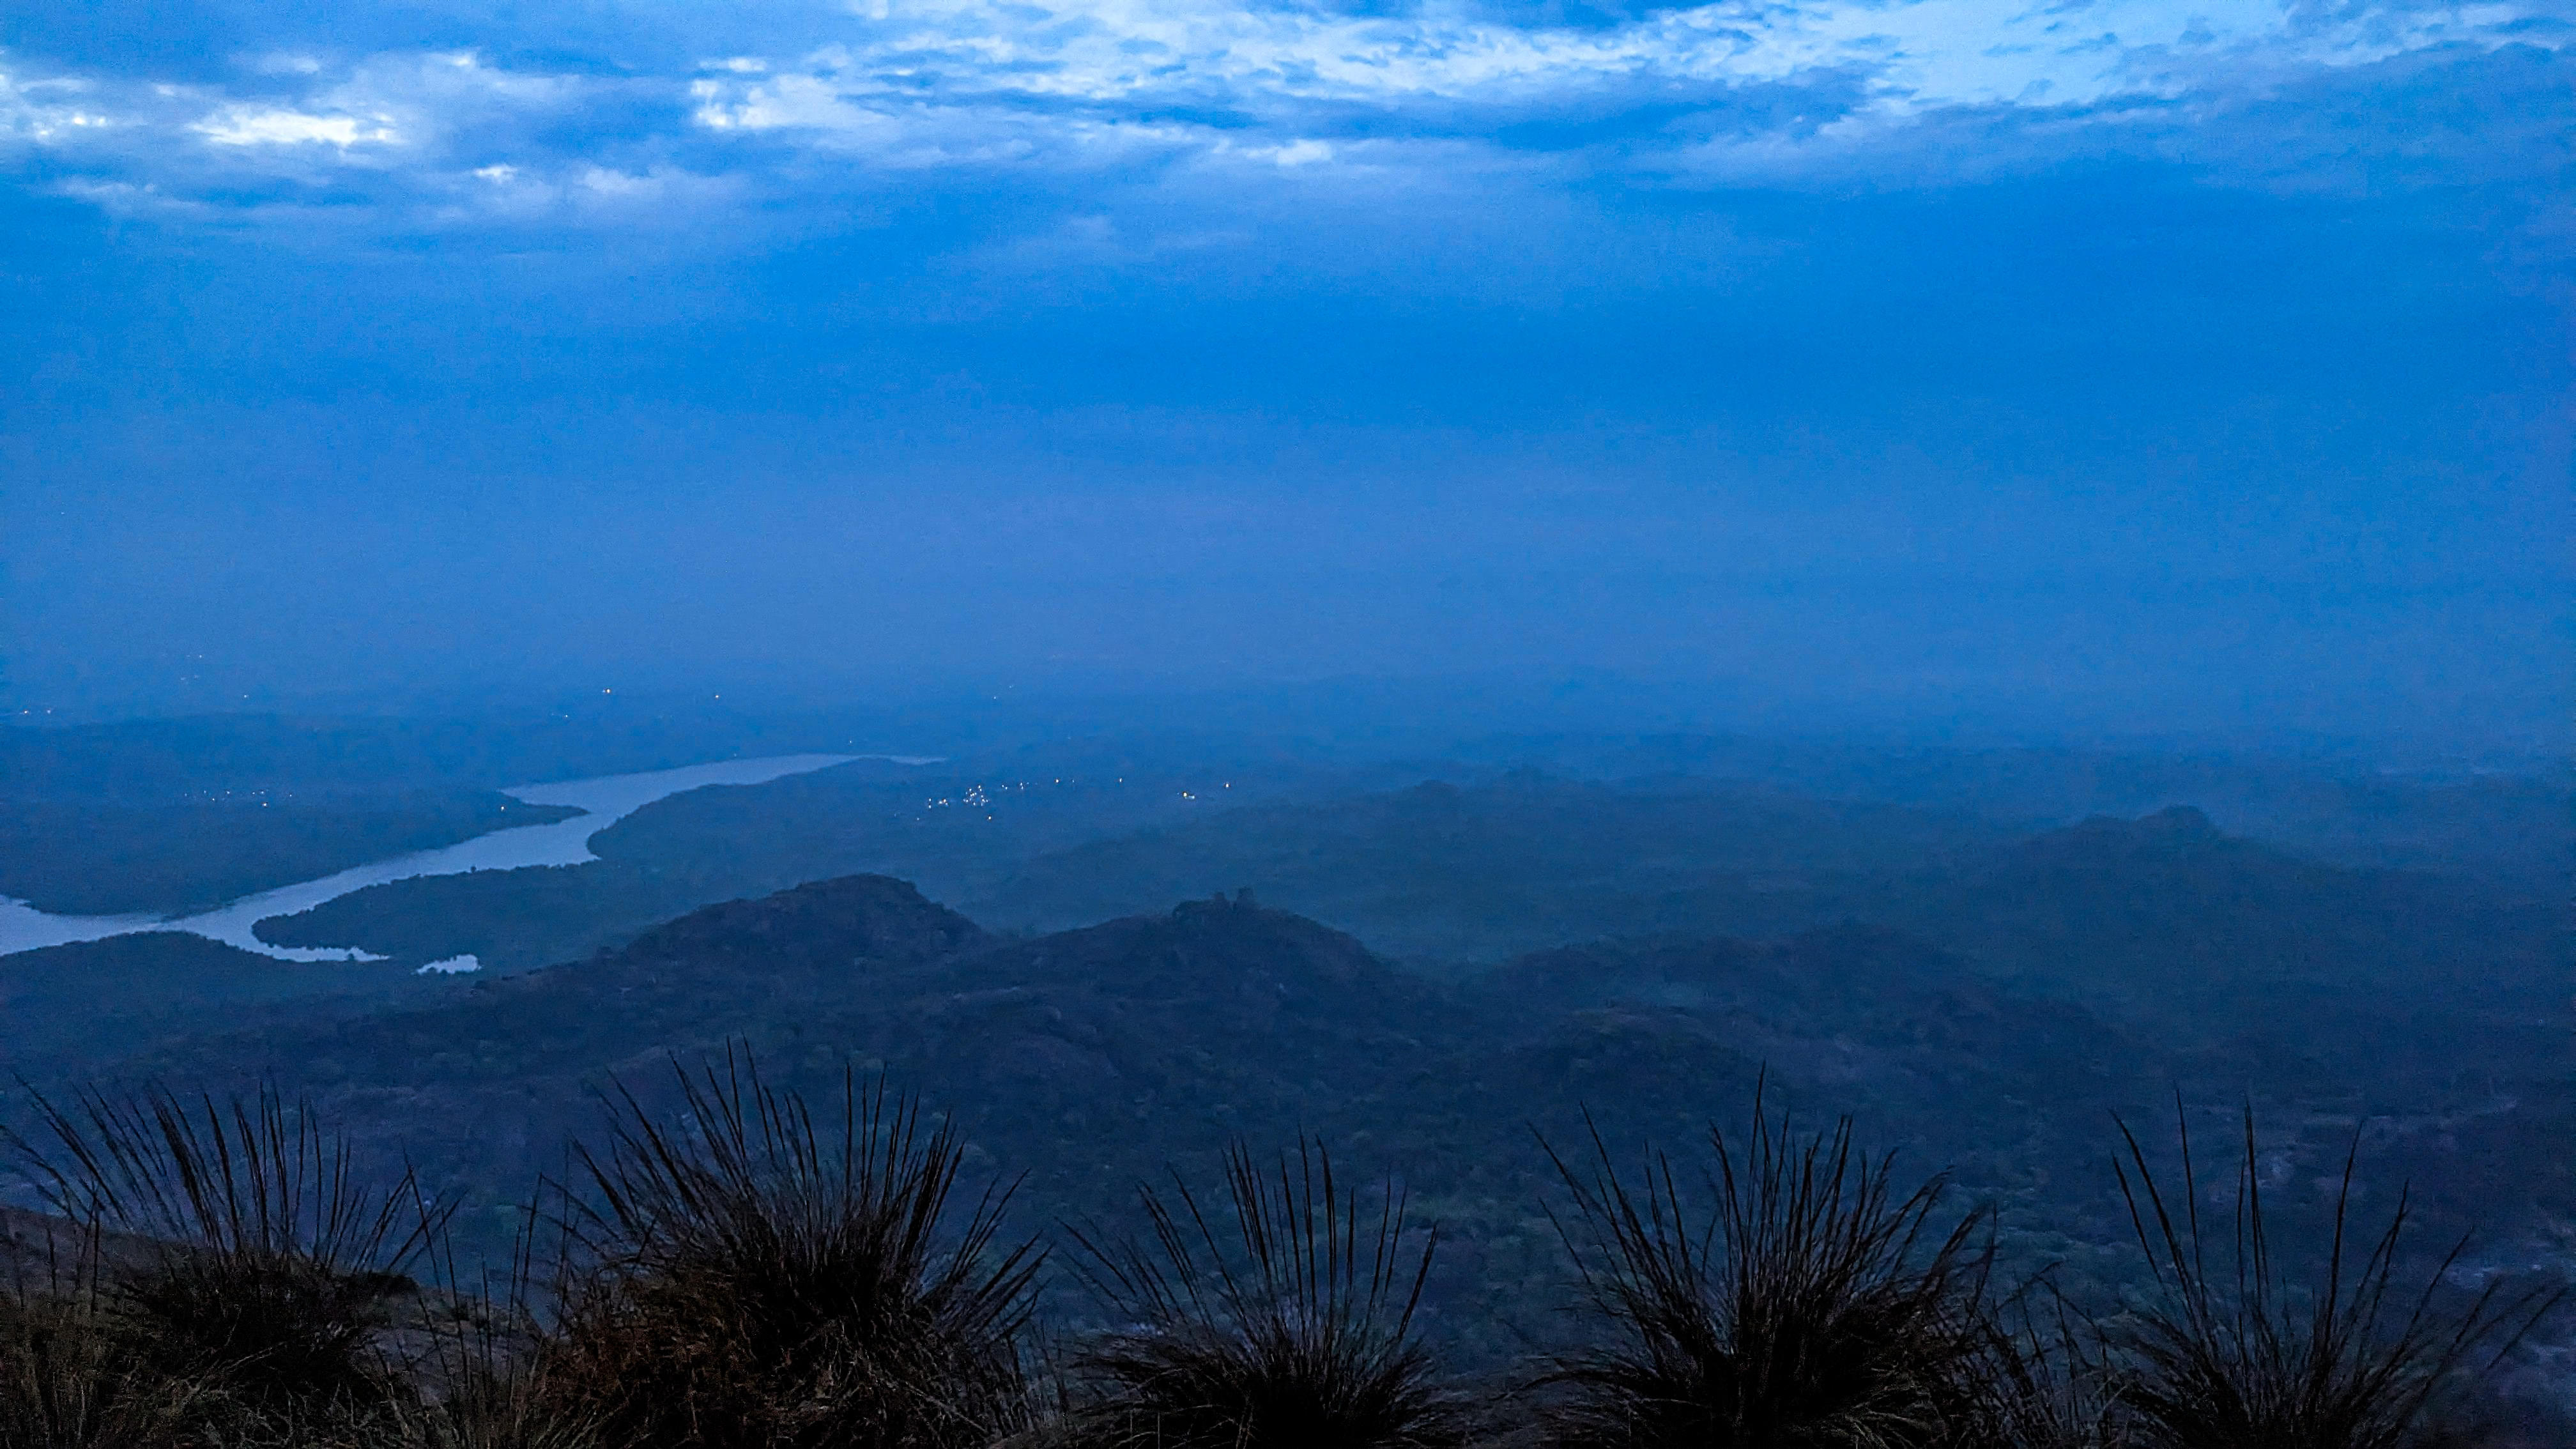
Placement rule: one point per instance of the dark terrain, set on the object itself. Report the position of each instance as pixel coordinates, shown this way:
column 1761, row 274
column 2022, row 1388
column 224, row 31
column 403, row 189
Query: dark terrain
column 1435, row 975
column 1093, row 1059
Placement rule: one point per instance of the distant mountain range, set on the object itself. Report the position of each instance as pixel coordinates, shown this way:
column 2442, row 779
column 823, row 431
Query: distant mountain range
column 2001, row 1003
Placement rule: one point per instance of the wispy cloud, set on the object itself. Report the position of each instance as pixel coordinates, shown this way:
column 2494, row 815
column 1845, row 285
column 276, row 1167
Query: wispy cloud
column 51, row 110
column 279, row 126
column 1160, row 53
column 1742, row 89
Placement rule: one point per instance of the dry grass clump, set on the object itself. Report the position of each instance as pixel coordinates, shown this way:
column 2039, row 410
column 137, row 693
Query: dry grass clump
column 2039, row 1378
column 1286, row 1321
column 68, row 1382
column 1809, row 1306
column 751, row 1279
column 746, row 1276
column 231, row 1279
column 484, row 1384
column 2239, row 1355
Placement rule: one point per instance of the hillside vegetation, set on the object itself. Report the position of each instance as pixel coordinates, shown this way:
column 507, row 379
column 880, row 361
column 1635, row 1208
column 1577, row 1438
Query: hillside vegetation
column 1497, row 999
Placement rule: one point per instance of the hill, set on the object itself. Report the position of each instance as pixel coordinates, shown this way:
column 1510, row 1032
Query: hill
column 1983, row 999
column 1091, row 1059
column 1484, row 870
column 2165, row 920
column 71, row 1009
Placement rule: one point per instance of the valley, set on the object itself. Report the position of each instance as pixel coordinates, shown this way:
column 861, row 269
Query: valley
column 1098, row 974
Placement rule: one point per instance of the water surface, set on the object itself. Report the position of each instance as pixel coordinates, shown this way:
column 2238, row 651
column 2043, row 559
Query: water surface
column 605, row 800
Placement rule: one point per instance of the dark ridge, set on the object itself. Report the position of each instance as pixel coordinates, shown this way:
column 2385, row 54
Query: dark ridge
column 2176, row 833
column 822, row 923
column 1089, row 1057
column 1851, row 1005
column 72, row 1006
column 1836, row 964
column 2173, row 924
column 1216, row 946
column 1093, row 1058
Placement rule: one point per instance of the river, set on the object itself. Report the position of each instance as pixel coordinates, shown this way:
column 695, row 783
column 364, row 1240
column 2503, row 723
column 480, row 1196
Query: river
column 604, row 800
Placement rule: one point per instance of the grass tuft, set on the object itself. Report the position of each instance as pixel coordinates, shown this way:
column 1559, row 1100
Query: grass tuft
column 68, row 1382
column 1810, row 1306
column 1294, row 1328
column 751, row 1279
column 488, row 1391
column 2038, row 1379
column 232, row 1257
column 2241, row 1357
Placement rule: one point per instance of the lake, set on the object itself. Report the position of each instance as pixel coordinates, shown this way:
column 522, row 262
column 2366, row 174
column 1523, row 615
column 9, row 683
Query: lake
column 605, row 800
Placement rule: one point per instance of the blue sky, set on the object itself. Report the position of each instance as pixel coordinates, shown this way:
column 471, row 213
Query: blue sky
column 2108, row 366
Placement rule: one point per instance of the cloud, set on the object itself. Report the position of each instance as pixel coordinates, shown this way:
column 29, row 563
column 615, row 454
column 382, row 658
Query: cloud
column 1265, row 62
column 276, row 126
column 49, row 111
column 898, row 92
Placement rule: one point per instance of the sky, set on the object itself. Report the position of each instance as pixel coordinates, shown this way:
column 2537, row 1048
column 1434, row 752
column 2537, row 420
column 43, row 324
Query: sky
column 2103, row 367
